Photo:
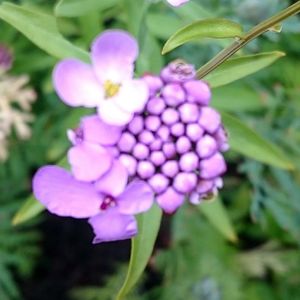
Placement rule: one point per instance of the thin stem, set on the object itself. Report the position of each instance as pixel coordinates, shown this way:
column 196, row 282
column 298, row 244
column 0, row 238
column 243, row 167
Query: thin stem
column 249, row 36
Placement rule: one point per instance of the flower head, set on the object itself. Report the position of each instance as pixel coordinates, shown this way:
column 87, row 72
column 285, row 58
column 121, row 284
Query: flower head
column 176, row 144
column 171, row 149
column 109, row 203
column 107, row 83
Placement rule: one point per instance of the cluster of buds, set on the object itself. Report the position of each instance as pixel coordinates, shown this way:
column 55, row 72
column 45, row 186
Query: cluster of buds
column 154, row 138
column 175, row 144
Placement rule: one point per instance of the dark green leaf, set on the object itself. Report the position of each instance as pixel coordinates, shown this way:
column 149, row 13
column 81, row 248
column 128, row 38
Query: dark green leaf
column 246, row 141
column 142, row 247
column 41, row 29
column 163, row 25
column 75, row 8
column 216, row 214
column 209, row 28
column 237, row 97
column 237, row 68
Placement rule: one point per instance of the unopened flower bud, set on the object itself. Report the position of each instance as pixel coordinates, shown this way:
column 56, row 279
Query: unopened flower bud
column 189, row 112
column 145, row 169
column 173, row 94
column 206, row 146
column 197, row 91
column 140, row 151
column 156, row 106
column 159, row 183
column 185, row 182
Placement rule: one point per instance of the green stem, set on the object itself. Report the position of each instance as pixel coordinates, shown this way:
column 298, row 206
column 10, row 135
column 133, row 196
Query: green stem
column 248, row 37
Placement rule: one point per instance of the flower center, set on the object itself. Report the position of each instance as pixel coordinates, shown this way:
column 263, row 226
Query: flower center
column 79, row 137
column 110, row 88
column 107, row 203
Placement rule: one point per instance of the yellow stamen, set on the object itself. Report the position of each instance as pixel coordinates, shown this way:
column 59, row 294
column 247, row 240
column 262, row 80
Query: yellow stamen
column 110, row 88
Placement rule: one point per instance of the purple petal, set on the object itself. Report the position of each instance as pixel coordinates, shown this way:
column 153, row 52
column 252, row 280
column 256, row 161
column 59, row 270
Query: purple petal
column 132, row 96
column 112, row 114
column 177, row 2
column 89, row 162
column 138, row 197
column 96, row 131
column 76, row 83
column 113, row 183
column 170, row 200
column 63, row 195
column 113, row 55
column 110, row 225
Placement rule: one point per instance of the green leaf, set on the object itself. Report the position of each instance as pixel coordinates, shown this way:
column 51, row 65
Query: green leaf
column 237, row 68
column 237, row 97
column 216, row 214
column 246, row 141
column 150, row 58
column 75, row 8
column 32, row 207
column 208, row 28
column 42, row 30
column 193, row 11
column 162, row 25
column 142, row 247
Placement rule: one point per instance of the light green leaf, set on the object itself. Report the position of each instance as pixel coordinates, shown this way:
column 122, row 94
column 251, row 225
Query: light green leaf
column 216, row 214
column 193, row 11
column 246, row 141
column 142, row 247
column 150, row 58
column 162, row 25
column 237, row 97
column 208, row 28
column 75, row 8
column 32, row 207
column 237, row 68
column 42, row 30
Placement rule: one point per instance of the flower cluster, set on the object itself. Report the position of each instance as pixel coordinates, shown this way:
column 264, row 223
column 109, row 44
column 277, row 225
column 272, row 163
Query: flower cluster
column 153, row 137
column 175, row 144
column 15, row 104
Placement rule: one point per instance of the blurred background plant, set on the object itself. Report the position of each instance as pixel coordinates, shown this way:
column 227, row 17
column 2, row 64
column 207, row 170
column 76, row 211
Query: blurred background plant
column 192, row 260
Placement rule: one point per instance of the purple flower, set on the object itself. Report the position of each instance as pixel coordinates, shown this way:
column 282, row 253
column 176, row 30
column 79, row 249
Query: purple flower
column 91, row 143
column 107, row 83
column 177, row 2
column 109, row 203
column 176, row 143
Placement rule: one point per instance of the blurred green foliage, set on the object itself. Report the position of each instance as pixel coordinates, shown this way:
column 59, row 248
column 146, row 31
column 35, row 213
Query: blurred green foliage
column 195, row 262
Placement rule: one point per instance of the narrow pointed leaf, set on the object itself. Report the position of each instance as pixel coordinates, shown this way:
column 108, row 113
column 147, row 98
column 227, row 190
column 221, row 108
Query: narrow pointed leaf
column 30, row 209
column 75, row 8
column 237, row 98
column 217, row 215
column 208, row 28
column 237, row 68
column 42, row 30
column 141, row 248
column 246, row 141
